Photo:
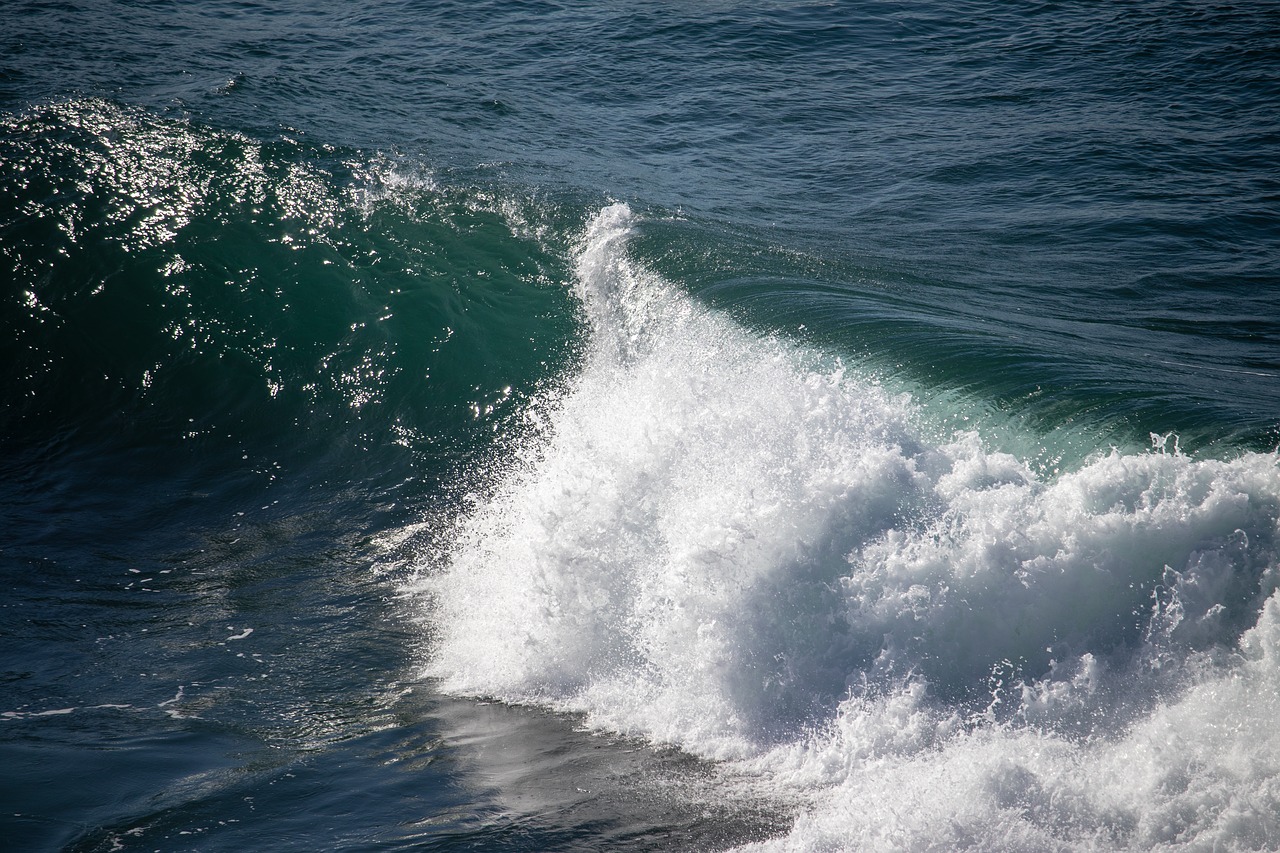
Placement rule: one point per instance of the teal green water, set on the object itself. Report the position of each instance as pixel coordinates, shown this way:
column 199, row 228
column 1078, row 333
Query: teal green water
column 856, row 420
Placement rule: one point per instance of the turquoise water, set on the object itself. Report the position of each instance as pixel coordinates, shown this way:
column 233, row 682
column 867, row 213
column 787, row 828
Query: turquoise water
column 536, row 427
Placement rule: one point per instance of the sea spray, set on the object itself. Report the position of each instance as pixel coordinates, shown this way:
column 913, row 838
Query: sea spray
column 741, row 548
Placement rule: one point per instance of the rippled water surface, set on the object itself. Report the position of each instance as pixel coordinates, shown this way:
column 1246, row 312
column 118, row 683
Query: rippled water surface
column 537, row 426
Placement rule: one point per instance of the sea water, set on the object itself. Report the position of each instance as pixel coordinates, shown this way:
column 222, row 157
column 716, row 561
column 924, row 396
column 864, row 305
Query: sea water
column 533, row 426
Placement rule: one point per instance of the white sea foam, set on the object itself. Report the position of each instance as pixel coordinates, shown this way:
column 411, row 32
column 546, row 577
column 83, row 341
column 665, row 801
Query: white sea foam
column 734, row 546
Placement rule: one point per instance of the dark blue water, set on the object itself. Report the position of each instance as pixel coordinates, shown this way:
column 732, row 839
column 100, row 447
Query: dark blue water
column 526, row 426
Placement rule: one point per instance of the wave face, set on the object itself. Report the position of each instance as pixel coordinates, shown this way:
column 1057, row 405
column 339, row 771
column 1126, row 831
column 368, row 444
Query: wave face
column 728, row 543
column 217, row 302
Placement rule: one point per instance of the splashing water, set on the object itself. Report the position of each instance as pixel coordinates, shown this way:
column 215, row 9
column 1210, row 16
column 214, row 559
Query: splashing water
column 729, row 544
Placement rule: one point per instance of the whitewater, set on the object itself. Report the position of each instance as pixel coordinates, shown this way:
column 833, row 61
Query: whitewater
column 895, row 470
column 909, row 636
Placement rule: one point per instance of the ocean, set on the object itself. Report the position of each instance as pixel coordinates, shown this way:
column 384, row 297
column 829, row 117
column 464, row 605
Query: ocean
column 540, row 426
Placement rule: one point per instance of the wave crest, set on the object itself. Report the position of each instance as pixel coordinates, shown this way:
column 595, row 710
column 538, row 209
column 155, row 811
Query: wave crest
column 741, row 548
